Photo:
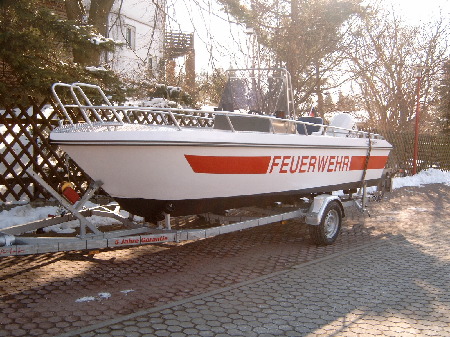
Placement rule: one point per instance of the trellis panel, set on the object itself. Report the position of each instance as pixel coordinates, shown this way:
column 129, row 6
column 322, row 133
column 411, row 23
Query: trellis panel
column 24, row 145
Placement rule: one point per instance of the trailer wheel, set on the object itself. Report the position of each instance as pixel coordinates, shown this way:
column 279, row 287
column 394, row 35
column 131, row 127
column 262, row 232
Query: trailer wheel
column 330, row 225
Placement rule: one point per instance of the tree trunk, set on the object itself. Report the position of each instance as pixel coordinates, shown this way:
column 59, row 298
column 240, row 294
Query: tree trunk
column 98, row 18
column 98, row 15
column 75, row 12
column 320, row 103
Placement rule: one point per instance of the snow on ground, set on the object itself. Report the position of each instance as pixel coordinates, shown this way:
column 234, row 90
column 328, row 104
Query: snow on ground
column 100, row 296
column 425, row 177
column 25, row 213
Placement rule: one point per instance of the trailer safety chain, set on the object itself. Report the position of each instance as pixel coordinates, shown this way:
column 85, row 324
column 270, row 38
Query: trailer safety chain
column 363, row 186
column 366, row 164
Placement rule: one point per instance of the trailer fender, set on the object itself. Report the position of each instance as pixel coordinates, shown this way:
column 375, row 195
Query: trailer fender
column 317, row 208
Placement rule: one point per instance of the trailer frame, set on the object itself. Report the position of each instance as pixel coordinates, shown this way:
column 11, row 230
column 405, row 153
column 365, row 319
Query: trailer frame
column 14, row 242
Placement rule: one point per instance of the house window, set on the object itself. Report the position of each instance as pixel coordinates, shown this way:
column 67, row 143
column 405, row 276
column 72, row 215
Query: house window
column 130, row 36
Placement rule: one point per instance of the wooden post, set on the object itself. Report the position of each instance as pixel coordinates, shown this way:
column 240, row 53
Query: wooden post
column 416, row 133
column 170, row 71
column 190, row 71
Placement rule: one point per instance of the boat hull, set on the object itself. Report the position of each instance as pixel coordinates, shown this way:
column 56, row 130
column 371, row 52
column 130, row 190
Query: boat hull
column 191, row 172
column 155, row 209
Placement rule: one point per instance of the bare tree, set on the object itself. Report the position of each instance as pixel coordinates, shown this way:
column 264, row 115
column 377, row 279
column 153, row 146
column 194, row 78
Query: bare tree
column 443, row 100
column 384, row 57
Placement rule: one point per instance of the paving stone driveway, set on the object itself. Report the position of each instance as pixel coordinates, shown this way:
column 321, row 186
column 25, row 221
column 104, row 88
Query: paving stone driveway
column 365, row 292
column 386, row 275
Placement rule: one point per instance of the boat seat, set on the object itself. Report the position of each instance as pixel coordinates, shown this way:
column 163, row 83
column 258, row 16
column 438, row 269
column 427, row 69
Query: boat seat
column 242, row 123
column 309, row 128
column 253, row 123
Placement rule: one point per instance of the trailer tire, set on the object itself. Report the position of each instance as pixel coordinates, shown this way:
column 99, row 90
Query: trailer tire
column 330, row 225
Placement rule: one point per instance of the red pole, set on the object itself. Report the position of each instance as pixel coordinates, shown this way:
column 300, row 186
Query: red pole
column 416, row 134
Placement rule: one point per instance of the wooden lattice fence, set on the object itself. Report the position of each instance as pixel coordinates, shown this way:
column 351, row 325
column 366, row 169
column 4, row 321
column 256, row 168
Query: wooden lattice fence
column 24, row 144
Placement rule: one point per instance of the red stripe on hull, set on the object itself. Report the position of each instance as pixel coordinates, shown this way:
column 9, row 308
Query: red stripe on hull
column 375, row 162
column 228, row 165
column 281, row 164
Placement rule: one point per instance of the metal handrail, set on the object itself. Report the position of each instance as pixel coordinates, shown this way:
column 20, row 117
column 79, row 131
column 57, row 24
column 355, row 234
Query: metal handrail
column 172, row 113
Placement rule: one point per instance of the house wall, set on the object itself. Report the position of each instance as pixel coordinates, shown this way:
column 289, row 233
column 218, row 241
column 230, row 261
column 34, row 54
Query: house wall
column 139, row 24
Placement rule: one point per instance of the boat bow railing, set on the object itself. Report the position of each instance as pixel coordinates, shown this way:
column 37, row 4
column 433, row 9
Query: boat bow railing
column 87, row 109
column 110, row 116
column 106, row 113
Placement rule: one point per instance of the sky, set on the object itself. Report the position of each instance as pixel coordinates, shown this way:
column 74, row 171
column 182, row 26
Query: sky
column 218, row 43
column 221, row 44
column 420, row 10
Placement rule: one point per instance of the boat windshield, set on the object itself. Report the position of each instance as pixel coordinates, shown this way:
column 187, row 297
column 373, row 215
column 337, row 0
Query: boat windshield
column 260, row 91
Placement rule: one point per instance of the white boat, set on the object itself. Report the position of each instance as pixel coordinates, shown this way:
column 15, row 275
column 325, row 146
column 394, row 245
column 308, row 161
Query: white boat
column 242, row 159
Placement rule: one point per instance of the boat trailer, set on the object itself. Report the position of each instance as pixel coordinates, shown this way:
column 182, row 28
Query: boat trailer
column 323, row 213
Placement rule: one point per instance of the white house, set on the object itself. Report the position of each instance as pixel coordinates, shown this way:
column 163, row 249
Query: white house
column 140, row 25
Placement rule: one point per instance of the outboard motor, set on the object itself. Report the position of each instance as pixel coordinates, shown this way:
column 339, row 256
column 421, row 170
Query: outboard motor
column 344, row 121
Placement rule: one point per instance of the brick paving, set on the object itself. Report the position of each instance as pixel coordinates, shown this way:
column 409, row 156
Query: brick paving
column 361, row 293
column 377, row 279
